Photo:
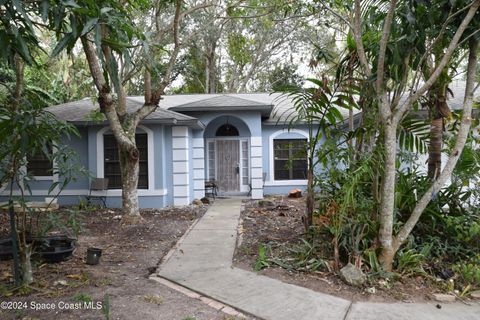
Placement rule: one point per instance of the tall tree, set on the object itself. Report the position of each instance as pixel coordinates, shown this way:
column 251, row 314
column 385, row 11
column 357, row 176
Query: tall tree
column 262, row 35
column 27, row 128
column 238, row 42
column 111, row 39
column 390, row 64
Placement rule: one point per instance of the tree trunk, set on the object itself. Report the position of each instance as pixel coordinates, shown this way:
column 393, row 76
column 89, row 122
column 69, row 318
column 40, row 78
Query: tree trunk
column 310, row 200
column 210, row 81
column 385, row 234
column 129, row 166
column 435, row 148
column 27, row 273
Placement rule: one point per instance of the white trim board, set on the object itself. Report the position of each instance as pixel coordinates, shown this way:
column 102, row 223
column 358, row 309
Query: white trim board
column 84, row 192
column 285, row 183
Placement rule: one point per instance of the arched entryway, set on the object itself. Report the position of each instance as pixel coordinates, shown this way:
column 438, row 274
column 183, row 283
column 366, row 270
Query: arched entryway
column 227, row 154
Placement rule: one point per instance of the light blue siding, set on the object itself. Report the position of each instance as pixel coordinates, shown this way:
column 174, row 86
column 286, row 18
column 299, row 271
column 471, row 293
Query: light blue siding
column 248, row 123
column 80, row 145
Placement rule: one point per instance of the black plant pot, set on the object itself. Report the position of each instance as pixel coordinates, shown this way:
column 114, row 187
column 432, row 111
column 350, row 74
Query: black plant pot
column 93, row 256
column 54, row 249
column 6, row 250
column 51, row 248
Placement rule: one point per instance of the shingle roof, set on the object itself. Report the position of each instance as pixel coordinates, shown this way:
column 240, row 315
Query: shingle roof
column 275, row 107
column 224, row 102
column 80, row 112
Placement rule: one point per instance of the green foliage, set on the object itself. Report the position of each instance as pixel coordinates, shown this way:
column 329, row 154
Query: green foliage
column 469, row 272
column 409, row 262
column 281, row 78
column 96, row 116
column 371, row 259
column 82, row 297
column 106, row 306
column 306, row 257
column 413, row 134
column 239, row 48
column 318, row 107
column 71, row 221
column 31, row 130
column 262, row 259
column 17, row 34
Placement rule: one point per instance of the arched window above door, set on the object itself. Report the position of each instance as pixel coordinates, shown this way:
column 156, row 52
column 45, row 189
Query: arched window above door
column 227, row 130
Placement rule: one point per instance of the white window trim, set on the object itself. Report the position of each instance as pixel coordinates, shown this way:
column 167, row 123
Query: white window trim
column 43, row 178
column 151, row 164
column 272, row 181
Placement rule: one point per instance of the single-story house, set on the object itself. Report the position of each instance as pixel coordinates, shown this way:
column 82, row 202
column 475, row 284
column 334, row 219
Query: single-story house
column 242, row 141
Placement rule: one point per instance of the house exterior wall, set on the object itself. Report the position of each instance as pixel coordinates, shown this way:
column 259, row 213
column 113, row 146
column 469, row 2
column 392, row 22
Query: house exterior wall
column 155, row 195
column 89, row 148
column 75, row 189
column 177, row 160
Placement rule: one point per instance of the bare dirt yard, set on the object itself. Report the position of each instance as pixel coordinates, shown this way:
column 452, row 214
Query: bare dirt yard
column 120, row 282
column 279, row 227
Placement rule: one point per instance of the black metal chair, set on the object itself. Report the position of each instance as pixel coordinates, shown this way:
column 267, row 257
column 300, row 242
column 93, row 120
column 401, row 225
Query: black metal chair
column 211, row 189
column 98, row 191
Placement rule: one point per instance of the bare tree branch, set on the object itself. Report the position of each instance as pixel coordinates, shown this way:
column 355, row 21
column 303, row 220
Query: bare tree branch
column 357, row 34
column 441, row 65
column 19, row 76
column 105, row 97
column 387, row 26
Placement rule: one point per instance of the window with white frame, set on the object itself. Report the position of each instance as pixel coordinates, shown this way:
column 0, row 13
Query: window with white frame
column 112, row 161
column 290, row 159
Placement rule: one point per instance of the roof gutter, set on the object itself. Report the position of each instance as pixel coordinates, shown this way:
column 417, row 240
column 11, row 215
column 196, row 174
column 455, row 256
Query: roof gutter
column 193, row 123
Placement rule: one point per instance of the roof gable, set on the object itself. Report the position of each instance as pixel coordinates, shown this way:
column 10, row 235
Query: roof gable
column 224, row 102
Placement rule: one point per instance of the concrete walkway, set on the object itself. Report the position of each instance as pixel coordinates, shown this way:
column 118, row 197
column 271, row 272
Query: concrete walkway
column 203, row 262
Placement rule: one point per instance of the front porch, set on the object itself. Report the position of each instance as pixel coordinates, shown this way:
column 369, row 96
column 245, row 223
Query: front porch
column 232, row 157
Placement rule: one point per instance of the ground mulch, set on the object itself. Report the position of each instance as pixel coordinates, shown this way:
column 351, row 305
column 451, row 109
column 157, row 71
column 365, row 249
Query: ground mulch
column 281, row 227
column 130, row 254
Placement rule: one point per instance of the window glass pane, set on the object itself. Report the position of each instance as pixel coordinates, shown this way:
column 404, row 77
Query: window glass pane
column 112, row 163
column 39, row 164
column 290, row 159
column 211, row 160
column 245, row 173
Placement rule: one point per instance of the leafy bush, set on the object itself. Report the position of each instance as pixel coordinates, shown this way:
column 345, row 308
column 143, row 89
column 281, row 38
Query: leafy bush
column 262, row 259
column 409, row 262
column 469, row 273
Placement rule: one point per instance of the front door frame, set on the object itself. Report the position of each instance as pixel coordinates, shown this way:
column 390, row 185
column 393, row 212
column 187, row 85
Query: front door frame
column 243, row 187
